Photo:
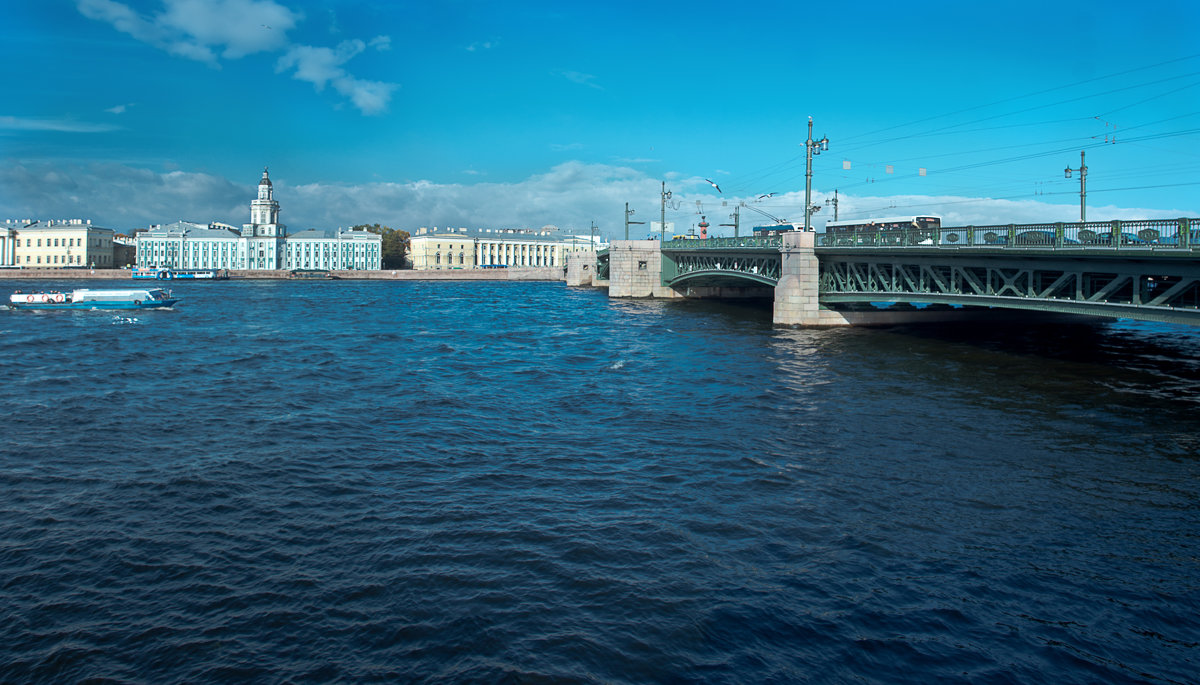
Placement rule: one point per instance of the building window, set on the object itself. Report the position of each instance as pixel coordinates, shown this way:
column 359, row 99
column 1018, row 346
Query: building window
column 641, row 266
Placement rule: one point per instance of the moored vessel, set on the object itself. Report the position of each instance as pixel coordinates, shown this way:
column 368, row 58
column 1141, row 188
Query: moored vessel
column 154, row 298
column 162, row 273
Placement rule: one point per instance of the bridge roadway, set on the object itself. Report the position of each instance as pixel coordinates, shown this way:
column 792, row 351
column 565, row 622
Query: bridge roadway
column 1151, row 271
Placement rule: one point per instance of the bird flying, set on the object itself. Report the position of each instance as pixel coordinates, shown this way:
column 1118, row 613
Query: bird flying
column 763, row 197
column 714, row 185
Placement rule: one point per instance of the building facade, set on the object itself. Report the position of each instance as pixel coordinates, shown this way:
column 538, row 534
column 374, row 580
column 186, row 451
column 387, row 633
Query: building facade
column 461, row 248
column 56, row 243
column 262, row 244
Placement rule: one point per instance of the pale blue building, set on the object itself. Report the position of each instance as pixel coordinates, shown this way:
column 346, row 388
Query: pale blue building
column 262, row 244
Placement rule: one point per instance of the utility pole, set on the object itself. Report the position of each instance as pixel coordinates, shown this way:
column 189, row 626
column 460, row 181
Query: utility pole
column 834, row 202
column 1082, row 187
column 662, row 226
column 811, row 149
column 628, row 213
column 593, row 234
column 734, row 216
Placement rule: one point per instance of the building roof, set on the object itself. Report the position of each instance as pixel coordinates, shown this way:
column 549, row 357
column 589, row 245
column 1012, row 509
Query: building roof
column 191, row 230
column 548, row 234
column 62, row 224
column 331, row 234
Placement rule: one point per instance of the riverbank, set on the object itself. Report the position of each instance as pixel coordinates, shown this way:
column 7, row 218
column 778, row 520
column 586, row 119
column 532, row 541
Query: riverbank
column 512, row 274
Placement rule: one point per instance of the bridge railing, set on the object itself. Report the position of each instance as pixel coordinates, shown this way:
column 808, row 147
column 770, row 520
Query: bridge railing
column 1146, row 234
column 725, row 243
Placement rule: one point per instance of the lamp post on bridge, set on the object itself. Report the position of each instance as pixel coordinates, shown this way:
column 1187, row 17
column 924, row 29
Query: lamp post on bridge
column 1082, row 187
column 662, row 226
column 811, row 149
column 628, row 213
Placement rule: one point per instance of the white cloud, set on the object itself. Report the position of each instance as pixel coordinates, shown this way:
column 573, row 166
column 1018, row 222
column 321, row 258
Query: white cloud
column 322, row 66
column 242, row 27
column 116, row 196
column 482, row 45
column 196, row 29
column 569, row 195
column 119, row 109
column 582, row 79
column 203, row 29
column 9, row 123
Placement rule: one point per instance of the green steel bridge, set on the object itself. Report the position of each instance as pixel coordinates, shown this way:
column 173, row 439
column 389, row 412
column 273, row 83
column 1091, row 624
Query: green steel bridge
column 1146, row 269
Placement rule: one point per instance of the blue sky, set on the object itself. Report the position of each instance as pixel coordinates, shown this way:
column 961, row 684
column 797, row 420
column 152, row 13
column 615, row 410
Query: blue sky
column 488, row 114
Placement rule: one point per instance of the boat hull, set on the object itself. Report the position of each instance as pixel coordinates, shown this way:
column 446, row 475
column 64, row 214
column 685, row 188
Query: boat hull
column 155, row 304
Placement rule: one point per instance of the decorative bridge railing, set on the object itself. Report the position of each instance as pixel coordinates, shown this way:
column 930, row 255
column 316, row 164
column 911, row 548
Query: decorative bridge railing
column 1142, row 234
column 602, row 264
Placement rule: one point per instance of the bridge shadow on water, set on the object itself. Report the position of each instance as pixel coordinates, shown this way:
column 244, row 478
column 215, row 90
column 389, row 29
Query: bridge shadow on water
column 1132, row 359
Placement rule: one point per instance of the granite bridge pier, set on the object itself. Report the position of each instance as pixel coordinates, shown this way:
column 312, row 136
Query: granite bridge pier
column 1146, row 269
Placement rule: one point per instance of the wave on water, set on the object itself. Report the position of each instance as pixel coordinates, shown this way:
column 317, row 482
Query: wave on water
column 283, row 484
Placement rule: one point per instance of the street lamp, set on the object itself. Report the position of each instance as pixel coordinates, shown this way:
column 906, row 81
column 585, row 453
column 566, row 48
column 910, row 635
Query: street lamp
column 1082, row 186
column 662, row 220
column 811, row 149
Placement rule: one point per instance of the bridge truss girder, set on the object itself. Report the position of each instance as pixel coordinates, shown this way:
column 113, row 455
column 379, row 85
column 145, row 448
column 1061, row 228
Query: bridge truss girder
column 1159, row 289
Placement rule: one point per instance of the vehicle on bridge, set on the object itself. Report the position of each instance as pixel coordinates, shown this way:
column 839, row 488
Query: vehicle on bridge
column 891, row 230
column 774, row 229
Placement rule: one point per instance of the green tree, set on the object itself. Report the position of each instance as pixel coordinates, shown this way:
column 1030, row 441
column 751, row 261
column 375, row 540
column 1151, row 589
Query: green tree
column 393, row 247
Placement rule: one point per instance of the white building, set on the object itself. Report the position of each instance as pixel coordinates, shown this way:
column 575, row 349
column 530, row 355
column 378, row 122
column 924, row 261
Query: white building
column 261, row 244
column 56, row 244
column 461, row 248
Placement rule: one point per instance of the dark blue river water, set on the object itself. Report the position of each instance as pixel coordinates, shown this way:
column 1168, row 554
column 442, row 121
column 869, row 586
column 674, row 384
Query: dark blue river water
column 521, row 482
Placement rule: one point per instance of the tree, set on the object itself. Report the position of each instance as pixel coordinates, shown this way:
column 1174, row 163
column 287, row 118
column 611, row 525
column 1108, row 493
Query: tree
column 393, row 246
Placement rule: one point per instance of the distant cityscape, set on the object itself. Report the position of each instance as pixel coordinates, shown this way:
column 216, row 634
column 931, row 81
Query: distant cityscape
column 264, row 244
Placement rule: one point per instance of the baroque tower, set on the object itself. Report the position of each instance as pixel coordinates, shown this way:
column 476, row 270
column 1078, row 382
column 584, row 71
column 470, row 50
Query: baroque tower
column 264, row 237
column 264, row 212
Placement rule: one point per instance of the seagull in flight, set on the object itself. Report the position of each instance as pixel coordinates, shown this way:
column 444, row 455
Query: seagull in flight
column 714, row 185
column 763, row 197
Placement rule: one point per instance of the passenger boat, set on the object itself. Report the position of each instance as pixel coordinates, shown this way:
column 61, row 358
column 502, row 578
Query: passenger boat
column 162, row 273
column 155, row 298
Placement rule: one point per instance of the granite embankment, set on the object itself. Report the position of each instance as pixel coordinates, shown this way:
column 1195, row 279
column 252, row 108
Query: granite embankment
column 523, row 274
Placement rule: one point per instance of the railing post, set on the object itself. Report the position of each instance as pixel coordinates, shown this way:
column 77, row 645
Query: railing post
column 1012, row 235
column 1058, row 234
column 1115, row 229
column 1185, row 234
column 970, row 235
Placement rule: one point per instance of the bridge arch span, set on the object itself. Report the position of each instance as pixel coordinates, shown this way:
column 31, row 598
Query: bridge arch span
column 721, row 278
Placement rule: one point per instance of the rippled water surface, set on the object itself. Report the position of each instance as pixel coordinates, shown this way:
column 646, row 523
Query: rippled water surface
column 409, row 481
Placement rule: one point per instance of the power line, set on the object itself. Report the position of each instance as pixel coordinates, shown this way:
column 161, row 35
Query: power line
column 1026, row 95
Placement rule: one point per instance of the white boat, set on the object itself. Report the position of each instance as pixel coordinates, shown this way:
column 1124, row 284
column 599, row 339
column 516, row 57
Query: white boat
column 163, row 273
column 154, row 298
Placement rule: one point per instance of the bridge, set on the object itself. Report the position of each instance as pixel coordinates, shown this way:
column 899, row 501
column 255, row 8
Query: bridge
column 1146, row 269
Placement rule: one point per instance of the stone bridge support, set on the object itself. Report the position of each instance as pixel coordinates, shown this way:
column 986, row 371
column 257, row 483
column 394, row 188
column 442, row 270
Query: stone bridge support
column 581, row 268
column 796, row 302
column 635, row 270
